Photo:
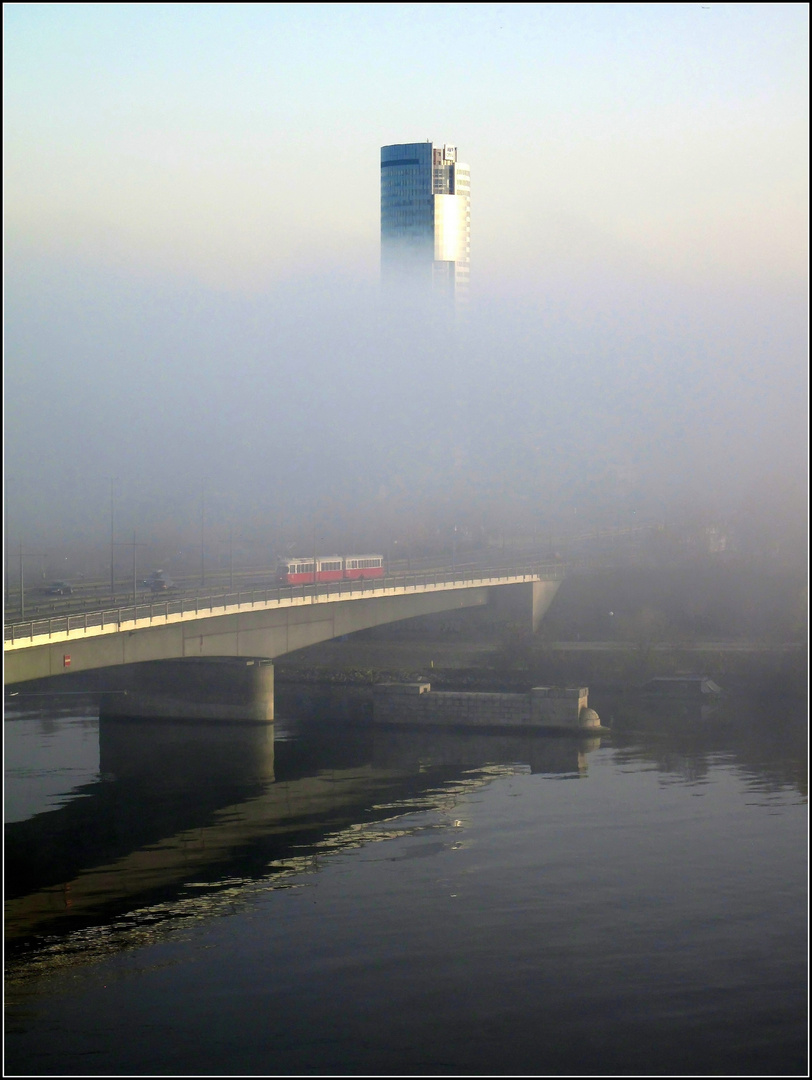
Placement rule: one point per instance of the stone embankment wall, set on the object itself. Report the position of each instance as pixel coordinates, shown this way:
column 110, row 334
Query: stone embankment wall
column 324, row 701
column 545, row 707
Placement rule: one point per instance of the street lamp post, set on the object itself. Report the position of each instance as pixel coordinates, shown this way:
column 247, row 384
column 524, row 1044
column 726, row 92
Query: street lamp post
column 112, row 538
column 315, row 548
column 24, row 555
column 203, row 535
column 134, row 546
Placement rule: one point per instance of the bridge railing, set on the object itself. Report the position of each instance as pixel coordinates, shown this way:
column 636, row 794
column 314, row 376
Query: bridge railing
column 266, row 597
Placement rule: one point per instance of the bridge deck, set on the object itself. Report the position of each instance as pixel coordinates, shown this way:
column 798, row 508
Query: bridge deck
column 108, row 621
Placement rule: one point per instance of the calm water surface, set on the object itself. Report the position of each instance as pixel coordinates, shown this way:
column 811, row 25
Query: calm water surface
column 314, row 898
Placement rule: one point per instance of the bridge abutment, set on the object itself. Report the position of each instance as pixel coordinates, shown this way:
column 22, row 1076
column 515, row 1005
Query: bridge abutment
column 217, row 688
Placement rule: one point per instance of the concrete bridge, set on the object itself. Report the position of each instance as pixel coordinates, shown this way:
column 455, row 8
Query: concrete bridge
column 211, row 657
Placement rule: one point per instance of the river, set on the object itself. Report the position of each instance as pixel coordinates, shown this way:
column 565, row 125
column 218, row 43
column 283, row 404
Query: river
column 321, row 898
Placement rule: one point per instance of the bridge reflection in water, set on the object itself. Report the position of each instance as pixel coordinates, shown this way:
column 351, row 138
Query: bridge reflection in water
column 183, row 812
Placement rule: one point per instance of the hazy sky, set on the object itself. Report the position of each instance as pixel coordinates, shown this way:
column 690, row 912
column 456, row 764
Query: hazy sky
column 192, row 243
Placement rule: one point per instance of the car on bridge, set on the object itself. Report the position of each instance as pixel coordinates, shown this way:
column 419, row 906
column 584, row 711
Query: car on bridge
column 158, row 581
column 58, row 588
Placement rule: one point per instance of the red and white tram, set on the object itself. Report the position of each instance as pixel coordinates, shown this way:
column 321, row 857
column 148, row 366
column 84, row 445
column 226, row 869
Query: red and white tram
column 299, row 570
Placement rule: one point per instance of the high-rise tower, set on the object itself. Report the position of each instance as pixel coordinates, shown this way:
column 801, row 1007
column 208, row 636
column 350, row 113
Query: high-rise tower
column 426, row 219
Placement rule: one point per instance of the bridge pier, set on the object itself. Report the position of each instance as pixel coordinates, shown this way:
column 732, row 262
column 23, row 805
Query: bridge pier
column 215, row 688
column 526, row 602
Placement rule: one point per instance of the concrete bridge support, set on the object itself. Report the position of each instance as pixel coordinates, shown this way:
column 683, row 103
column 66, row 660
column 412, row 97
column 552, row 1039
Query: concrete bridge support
column 527, row 602
column 217, row 688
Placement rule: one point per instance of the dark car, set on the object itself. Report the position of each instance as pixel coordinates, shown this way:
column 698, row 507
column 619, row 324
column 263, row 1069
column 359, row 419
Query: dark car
column 59, row 588
column 159, row 581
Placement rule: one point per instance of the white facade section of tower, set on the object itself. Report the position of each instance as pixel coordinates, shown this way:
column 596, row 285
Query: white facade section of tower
column 448, row 228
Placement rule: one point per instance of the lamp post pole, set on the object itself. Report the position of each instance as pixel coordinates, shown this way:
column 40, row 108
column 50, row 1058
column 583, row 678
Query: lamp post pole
column 313, row 597
column 112, row 538
column 26, row 555
column 134, row 546
column 203, row 535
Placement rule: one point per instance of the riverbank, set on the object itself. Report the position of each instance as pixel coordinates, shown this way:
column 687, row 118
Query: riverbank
column 757, row 669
